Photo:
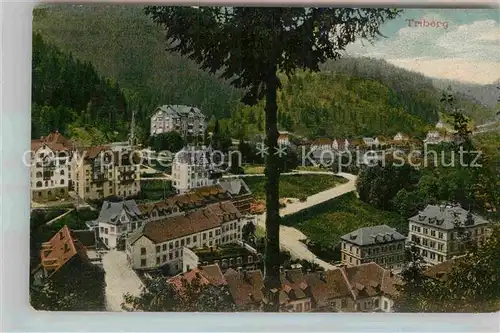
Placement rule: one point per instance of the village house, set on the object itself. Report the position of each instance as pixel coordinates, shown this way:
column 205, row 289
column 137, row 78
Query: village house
column 100, row 172
column 340, row 144
column 50, row 167
column 380, row 244
column 283, row 139
column 442, row 232
column 161, row 242
column 374, row 287
column 116, row 220
column 246, row 289
column 241, row 197
column 186, row 120
column 321, row 144
column 330, row 291
column 65, row 262
column 292, row 294
column 192, row 168
column 401, row 137
column 371, row 142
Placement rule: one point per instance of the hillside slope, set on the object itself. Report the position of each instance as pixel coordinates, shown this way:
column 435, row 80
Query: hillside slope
column 355, row 97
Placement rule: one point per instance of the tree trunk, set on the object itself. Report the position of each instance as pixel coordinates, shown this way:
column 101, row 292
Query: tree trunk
column 271, row 262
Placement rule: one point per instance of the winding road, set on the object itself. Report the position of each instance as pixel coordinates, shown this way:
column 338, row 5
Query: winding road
column 290, row 238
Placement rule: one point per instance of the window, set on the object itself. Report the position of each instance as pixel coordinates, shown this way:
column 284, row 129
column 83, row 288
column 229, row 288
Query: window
column 194, row 239
column 188, row 240
column 112, row 229
column 369, row 252
column 400, row 246
column 143, row 251
column 176, row 244
column 157, row 248
column 204, row 236
column 210, row 234
column 170, row 256
column 350, row 248
column 164, row 258
column 170, row 245
column 377, row 303
column 343, row 303
column 231, row 262
column 345, row 245
column 386, row 305
column 238, row 261
column 440, row 247
column 176, row 254
column 106, row 231
column 143, row 262
column 426, row 231
column 432, row 255
column 102, row 229
column 250, row 259
column 106, row 241
column 182, row 242
column 299, row 307
column 62, row 181
column 440, row 235
column 157, row 260
column 433, row 233
column 164, row 247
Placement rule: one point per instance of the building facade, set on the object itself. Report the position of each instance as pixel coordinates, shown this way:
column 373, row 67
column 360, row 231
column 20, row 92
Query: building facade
column 100, row 172
column 186, row 120
column 192, row 168
column 380, row 244
column 161, row 242
column 442, row 232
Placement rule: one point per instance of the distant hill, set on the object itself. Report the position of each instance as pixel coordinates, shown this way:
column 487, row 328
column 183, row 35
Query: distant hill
column 354, row 97
column 487, row 95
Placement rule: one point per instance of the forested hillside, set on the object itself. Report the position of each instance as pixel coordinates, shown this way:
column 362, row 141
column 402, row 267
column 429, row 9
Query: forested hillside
column 69, row 95
column 353, row 97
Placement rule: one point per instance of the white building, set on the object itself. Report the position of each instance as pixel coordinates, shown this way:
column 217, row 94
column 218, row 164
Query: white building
column 283, row 139
column 440, row 232
column 192, row 168
column 371, row 142
column 49, row 168
column 434, row 137
column 401, row 137
column 340, row 144
column 117, row 220
column 186, row 120
column 161, row 242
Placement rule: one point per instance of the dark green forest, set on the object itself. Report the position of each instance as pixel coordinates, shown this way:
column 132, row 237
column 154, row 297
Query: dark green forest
column 94, row 65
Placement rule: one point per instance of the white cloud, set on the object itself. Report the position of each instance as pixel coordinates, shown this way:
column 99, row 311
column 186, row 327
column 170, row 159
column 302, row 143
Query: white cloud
column 469, row 52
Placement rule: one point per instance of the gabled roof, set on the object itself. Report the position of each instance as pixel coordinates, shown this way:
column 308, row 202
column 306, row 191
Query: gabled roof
column 111, row 211
column 293, row 285
column 440, row 271
column 59, row 250
column 245, row 287
column 179, row 110
column 324, row 286
column 235, row 187
column 207, row 275
column 368, row 280
column 373, row 235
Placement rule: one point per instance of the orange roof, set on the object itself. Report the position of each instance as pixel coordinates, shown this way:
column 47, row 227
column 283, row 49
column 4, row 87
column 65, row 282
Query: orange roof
column 60, row 249
column 207, row 275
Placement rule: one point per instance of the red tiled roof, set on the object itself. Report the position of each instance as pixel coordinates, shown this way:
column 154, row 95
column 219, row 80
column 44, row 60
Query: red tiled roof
column 440, row 271
column 368, row 280
column 245, row 287
column 207, row 275
column 321, row 142
column 60, row 249
column 292, row 285
column 328, row 285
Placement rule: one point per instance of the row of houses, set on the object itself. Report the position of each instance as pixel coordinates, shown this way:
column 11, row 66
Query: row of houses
column 164, row 233
column 439, row 233
column 362, row 288
column 57, row 166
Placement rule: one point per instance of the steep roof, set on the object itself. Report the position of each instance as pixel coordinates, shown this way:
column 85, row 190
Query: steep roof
column 179, row 110
column 59, row 250
column 373, row 235
column 293, row 285
column 368, row 280
column 110, row 211
column 235, row 187
column 207, row 275
column 440, row 271
column 245, row 287
column 444, row 216
column 324, row 286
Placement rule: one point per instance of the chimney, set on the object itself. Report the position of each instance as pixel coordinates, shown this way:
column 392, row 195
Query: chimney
column 66, row 247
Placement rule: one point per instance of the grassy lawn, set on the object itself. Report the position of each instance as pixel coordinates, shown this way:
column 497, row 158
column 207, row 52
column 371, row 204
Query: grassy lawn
column 253, row 169
column 311, row 168
column 295, row 186
column 324, row 224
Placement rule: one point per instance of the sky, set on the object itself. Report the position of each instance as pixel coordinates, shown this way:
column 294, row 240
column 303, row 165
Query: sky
column 466, row 49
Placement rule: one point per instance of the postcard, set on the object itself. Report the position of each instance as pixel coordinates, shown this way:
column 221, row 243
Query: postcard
column 258, row 159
